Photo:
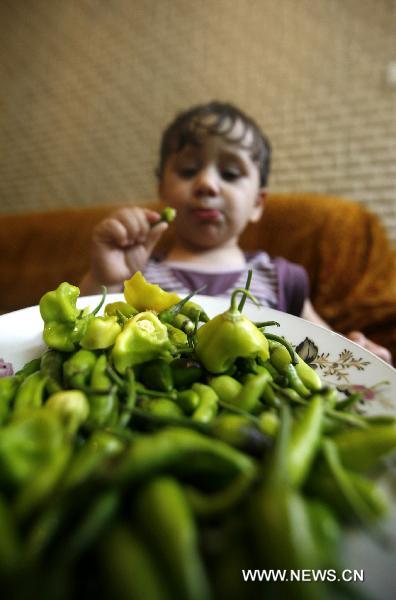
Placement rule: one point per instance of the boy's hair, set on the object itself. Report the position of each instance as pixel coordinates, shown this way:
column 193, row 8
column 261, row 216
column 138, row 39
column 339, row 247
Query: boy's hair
column 188, row 127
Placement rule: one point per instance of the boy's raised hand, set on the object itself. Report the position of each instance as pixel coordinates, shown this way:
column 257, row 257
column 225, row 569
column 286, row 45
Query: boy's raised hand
column 359, row 338
column 121, row 245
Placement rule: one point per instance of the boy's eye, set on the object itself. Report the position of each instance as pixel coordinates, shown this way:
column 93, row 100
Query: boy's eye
column 187, row 172
column 231, row 174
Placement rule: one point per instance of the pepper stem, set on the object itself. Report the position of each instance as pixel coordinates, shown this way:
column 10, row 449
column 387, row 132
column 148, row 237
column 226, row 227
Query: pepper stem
column 102, row 300
column 247, row 287
column 263, row 324
column 233, row 307
column 187, row 298
column 175, row 309
column 285, row 343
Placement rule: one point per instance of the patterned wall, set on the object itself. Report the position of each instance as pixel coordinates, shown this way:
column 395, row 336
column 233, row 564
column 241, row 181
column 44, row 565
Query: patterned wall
column 88, row 85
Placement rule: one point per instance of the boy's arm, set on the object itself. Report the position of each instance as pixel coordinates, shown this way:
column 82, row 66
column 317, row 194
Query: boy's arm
column 310, row 314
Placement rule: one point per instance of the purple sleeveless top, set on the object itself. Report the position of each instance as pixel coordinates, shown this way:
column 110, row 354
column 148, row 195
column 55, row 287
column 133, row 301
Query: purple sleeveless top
column 276, row 282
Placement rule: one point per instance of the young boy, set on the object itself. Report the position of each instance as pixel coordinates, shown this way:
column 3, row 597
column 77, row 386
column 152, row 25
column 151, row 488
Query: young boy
column 214, row 166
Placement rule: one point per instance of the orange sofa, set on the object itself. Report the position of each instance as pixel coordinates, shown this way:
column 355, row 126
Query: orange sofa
column 350, row 261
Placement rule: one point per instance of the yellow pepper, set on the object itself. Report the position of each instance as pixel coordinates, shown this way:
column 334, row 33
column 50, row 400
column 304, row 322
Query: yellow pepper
column 147, row 296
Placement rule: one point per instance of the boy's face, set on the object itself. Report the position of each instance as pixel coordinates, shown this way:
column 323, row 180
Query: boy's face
column 215, row 188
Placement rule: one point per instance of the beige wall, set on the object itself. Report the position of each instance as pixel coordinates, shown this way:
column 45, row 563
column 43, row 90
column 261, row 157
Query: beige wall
column 87, row 86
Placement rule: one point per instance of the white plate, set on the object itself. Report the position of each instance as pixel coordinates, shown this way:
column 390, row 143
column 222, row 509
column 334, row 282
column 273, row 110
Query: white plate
column 338, row 361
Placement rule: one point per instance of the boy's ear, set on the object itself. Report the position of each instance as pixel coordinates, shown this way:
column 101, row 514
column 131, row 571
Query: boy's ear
column 259, row 205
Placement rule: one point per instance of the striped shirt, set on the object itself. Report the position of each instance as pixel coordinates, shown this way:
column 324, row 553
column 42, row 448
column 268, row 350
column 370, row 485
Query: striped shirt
column 276, row 283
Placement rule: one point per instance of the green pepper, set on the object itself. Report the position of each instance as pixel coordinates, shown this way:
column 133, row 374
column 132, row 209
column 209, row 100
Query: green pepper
column 168, row 214
column 240, row 432
column 94, row 521
column 51, row 366
column 120, row 309
column 100, row 333
column 39, row 487
column 296, row 372
column 62, row 325
column 8, row 389
column 177, row 337
column 346, row 485
column 288, row 534
column 157, row 375
column 183, row 323
column 272, row 370
column 282, row 354
column 185, row 372
column 71, row 406
column 169, row 314
column 305, row 441
column 30, row 394
column 208, row 403
column 163, row 407
column 215, row 504
column 363, row 449
column 322, row 484
column 129, row 567
column 129, row 399
column 30, row 367
column 230, row 335
column 60, row 304
column 269, row 422
column 99, row 447
column 308, row 375
column 281, row 350
column 249, row 396
column 102, row 398
column 78, row 368
column 269, row 396
column 195, row 312
column 295, row 381
column 226, row 387
column 180, row 449
column 26, row 445
column 188, row 400
column 283, row 523
column 167, row 522
column 10, row 543
column 143, row 338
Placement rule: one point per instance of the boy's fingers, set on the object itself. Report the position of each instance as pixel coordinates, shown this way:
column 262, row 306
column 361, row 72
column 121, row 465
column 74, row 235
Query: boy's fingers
column 111, row 231
column 136, row 224
column 359, row 338
column 126, row 227
column 152, row 215
column 154, row 235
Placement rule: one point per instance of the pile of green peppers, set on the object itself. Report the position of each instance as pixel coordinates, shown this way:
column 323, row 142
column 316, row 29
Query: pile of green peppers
column 156, row 453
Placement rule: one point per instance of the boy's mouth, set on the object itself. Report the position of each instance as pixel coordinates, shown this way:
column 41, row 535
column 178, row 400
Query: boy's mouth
column 207, row 214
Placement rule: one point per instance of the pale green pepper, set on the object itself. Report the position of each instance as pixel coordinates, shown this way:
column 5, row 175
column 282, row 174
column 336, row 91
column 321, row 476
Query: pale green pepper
column 143, row 338
column 229, row 336
column 72, row 407
column 62, row 327
column 101, row 333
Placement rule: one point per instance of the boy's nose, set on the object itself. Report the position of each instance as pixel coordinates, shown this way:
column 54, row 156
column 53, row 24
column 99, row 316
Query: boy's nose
column 206, row 182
